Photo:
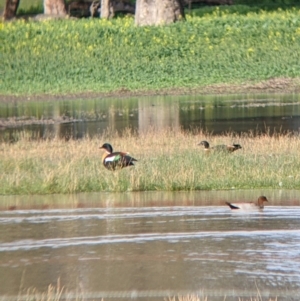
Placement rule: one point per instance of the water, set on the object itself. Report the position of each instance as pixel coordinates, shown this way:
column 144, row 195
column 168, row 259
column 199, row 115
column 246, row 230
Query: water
column 215, row 114
column 151, row 245
column 148, row 246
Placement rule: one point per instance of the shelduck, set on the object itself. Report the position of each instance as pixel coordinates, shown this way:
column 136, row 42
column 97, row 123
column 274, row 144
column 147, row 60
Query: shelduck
column 258, row 205
column 115, row 160
column 221, row 147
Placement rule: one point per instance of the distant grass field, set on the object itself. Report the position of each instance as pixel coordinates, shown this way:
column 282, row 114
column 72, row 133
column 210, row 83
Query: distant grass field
column 27, row 6
column 221, row 45
column 167, row 161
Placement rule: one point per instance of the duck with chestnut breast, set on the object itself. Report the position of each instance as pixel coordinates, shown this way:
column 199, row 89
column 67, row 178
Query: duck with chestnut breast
column 258, row 205
column 221, row 147
column 115, row 160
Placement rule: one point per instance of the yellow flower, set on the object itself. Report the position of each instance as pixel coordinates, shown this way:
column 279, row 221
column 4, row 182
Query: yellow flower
column 191, row 38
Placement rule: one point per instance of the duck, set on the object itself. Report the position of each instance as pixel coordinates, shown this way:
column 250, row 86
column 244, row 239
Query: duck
column 258, row 205
column 115, row 160
column 221, row 147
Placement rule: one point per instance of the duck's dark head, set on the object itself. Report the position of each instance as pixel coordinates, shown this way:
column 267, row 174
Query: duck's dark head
column 236, row 146
column 261, row 200
column 204, row 143
column 107, row 147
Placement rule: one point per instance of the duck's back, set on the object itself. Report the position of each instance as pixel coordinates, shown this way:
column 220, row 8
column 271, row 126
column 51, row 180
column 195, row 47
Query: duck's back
column 117, row 160
column 243, row 206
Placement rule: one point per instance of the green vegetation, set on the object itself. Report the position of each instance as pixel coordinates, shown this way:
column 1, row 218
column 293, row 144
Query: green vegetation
column 54, row 166
column 27, row 6
column 30, row 8
column 220, row 46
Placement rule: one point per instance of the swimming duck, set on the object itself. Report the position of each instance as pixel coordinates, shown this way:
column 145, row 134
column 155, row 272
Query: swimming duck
column 220, row 148
column 115, row 160
column 259, row 205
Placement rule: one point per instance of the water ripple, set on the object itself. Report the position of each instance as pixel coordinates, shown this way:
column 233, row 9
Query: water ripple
column 209, row 212
column 133, row 238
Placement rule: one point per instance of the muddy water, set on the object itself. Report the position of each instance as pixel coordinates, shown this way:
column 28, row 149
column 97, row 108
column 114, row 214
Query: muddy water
column 148, row 246
column 214, row 114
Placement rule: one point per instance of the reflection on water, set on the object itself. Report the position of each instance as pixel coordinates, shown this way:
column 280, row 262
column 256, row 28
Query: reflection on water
column 133, row 247
column 147, row 198
column 215, row 114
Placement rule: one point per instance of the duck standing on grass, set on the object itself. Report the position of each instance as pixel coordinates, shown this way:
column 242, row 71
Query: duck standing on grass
column 259, row 205
column 220, row 148
column 115, row 160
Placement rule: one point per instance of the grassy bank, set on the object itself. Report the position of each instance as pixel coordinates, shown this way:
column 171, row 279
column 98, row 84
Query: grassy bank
column 166, row 161
column 222, row 45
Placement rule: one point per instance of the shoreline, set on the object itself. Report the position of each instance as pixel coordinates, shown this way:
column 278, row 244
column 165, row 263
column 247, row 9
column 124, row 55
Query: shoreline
column 279, row 85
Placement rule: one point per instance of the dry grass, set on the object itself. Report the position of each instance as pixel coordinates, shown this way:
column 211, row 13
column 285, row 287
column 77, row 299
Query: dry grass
column 167, row 160
column 186, row 298
column 58, row 292
column 257, row 299
column 197, row 298
column 52, row 294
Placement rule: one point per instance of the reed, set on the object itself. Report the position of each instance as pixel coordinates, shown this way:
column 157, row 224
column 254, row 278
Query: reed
column 256, row 299
column 53, row 293
column 197, row 298
column 167, row 160
column 191, row 297
column 58, row 292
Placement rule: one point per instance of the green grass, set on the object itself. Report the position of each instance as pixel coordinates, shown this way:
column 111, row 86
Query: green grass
column 221, row 46
column 27, row 6
column 56, row 166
